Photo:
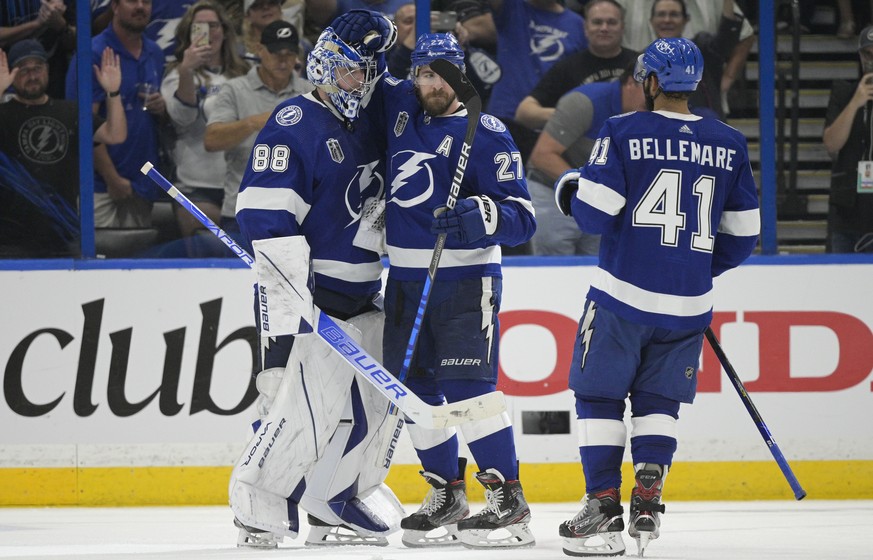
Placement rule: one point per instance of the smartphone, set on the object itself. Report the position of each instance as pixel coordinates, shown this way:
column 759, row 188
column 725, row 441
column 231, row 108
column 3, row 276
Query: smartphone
column 443, row 21
column 200, row 34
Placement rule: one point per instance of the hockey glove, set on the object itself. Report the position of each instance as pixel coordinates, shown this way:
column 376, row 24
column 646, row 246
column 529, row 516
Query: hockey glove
column 565, row 190
column 469, row 221
column 370, row 32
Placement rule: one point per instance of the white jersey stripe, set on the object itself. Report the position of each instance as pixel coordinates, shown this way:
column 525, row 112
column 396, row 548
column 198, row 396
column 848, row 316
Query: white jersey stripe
column 528, row 205
column 745, row 223
column 601, row 431
column 363, row 272
column 600, row 196
column 261, row 198
column 654, row 425
column 478, row 429
column 420, row 258
column 651, row 302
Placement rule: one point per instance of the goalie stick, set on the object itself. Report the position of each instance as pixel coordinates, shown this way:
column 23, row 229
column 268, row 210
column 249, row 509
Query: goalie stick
column 365, row 365
column 467, row 95
column 799, row 492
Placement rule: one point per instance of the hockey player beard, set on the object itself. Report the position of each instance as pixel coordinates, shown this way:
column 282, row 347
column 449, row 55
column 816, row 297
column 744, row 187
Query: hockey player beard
column 650, row 101
column 435, row 103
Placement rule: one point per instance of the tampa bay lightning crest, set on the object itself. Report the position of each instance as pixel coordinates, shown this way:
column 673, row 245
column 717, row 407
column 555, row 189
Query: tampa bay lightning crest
column 406, row 191
column 492, row 123
column 289, row 116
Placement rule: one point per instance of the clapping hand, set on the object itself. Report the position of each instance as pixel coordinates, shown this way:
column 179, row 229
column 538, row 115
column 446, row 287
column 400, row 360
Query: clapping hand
column 6, row 77
column 109, row 72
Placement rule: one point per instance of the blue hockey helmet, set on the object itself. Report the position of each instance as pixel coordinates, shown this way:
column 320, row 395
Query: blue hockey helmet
column 676, row 62
column 431, row 46
column 341, row 71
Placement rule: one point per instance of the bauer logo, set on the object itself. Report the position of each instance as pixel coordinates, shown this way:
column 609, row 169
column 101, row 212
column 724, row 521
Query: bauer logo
column 359, row 359
column 289, row 116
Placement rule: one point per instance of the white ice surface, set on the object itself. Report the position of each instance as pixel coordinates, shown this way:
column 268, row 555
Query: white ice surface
column 807, row 530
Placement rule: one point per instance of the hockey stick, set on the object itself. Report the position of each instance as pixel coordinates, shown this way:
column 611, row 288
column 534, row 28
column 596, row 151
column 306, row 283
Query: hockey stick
column 467, row 95
column 368, row 367
column 799, row 493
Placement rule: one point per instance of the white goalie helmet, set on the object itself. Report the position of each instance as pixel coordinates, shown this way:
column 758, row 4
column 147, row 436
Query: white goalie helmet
column 342, row 72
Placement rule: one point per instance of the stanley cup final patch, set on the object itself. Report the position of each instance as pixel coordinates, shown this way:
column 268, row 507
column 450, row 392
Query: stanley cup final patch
column 400, row 125
column 336, row 151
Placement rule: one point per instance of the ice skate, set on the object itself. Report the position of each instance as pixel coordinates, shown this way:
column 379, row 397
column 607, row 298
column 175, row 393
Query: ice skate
column 435, row 522
column 322, row 533
column 250, row 537
column 504, row 521
column 596, row 529
column 645, row 504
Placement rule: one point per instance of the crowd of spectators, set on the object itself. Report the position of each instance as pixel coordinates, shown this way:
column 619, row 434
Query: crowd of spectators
column 193, row 104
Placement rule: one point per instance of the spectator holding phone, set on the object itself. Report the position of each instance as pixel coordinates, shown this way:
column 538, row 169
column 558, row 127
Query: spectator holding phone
column 206, row 57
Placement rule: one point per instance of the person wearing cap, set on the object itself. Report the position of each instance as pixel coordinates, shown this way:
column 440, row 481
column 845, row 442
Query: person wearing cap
column 192, row 80
column 123, row 196
column 51, row 23
column 40, row 137
column 847, row 138
column 244, row 104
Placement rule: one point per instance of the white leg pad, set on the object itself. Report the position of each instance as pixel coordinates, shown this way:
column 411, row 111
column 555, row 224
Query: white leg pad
column 258, row 508
column 364, row 466
column 296, row 430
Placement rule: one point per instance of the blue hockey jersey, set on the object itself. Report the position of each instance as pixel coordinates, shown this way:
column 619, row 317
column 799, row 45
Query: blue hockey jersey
column 676, row 204
column 309, row 174
column 423, row 154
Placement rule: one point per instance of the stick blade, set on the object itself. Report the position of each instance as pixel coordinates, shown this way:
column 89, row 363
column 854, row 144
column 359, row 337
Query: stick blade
column 459, row 82
column 475, row 408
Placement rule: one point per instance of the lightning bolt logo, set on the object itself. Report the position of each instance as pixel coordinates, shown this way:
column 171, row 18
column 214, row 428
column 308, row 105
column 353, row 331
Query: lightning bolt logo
column 546, row 42
column 42, row 140
column 586, row 331
column 415, row 162
column 364, row 177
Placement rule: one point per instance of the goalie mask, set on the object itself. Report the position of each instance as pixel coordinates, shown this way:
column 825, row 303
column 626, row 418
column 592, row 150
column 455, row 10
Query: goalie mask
column 431, row 46
column 342, row 72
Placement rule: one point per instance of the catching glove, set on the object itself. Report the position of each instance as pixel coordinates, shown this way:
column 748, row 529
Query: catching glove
column 565, row 190
column 469, row 221
column 369, row 32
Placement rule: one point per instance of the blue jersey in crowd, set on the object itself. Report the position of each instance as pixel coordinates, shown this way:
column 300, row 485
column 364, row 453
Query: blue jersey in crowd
column 308, row 175
column 419, row 180
column 530, row 41
column 141, row 144
column 673, row 193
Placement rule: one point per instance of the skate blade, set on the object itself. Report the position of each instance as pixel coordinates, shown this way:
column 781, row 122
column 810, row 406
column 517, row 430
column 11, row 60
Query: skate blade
column 339, row 536
column 511, row 536
column 600, row 544
column 445, row 536
column 642, row 542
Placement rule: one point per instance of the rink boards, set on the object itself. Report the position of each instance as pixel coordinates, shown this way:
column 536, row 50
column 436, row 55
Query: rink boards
column 133, row 387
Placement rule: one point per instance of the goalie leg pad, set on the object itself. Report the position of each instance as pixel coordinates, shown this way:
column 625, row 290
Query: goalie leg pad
column 256, row 508
column 346, row 486
column 295, row 432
